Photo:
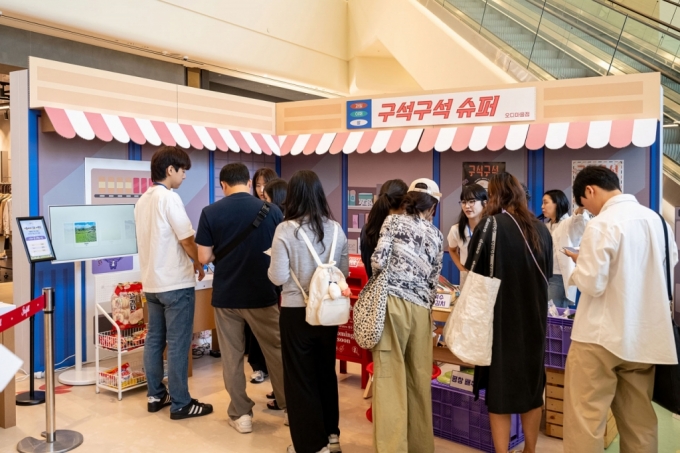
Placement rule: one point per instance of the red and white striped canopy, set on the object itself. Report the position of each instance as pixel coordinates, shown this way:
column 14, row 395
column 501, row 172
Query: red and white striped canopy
column 87, row 125
column 595, row 134
column 576, row 135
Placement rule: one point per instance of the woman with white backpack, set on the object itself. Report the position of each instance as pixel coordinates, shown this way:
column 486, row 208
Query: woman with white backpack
column 307, row 345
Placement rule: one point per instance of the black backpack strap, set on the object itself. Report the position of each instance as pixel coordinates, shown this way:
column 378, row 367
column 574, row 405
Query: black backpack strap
column 261, row 215
column 668, row 259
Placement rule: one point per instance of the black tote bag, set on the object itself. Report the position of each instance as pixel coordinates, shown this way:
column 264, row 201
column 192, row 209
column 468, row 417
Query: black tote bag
column 667, row 378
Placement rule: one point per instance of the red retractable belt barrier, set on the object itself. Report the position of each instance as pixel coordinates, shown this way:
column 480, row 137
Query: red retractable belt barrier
column 22, row 313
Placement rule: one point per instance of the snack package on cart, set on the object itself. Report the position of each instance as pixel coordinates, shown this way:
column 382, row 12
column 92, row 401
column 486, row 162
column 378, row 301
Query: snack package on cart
column 127, row 304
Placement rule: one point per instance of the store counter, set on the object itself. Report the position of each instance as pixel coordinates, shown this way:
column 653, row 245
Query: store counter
column 441, row 354
column 204, row 314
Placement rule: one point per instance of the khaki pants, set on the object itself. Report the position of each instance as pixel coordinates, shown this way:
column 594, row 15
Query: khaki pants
column 264, row 323
column 402, row 391
column 597, row 379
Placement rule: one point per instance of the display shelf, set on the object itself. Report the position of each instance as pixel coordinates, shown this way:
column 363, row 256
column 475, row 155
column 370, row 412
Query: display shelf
column 124, row 376
column 359, row 208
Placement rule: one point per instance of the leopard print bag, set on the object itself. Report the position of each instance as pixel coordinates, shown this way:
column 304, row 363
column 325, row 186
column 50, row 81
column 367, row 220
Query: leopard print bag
column 371, row 308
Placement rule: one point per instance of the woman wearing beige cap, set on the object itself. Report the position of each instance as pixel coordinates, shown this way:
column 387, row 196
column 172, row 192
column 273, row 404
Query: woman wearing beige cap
column 411, row 249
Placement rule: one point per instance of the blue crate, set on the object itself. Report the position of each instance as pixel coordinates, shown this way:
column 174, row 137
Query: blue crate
column 456, row 416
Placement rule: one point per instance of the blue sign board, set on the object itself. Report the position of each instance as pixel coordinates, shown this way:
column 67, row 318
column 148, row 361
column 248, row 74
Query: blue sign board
column 359, row 114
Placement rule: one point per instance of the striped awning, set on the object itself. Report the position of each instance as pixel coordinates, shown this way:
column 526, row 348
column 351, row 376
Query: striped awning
column 594, row 134
column 576, row 135
column 87, row 125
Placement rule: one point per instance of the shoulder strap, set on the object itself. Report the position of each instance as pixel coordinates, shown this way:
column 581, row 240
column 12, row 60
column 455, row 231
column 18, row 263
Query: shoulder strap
column 668, row 259
column 261, row 215
column 527, row 244
column 494, row 228
column 335, row 241
column 308, row 242
column 297, row 282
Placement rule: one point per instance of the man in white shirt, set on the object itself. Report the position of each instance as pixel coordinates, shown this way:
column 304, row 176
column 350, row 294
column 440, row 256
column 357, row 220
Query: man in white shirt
column 166, row 244
column 623, row 324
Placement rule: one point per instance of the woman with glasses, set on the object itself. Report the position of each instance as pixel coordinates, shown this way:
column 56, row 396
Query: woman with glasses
column 472, row 201
column 566, row 231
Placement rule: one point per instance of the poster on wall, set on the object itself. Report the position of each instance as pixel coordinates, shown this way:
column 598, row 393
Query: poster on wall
column 481, row 172
column 614, row 165
column 113, row 181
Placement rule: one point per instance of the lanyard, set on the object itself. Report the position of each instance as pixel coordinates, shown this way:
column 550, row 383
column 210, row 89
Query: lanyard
column 159, row 184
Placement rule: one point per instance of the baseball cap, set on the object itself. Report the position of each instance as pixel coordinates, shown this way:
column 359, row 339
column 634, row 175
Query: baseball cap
column 432, row 187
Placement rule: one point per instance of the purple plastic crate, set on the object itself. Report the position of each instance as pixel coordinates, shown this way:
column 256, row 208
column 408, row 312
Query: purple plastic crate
column 557, row 341
column 456, row 416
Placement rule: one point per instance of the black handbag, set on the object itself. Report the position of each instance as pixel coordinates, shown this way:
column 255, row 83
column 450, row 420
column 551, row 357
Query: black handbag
column 667, row 377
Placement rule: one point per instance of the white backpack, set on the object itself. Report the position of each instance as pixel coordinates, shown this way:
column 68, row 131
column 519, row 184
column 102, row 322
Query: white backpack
column 326, row 306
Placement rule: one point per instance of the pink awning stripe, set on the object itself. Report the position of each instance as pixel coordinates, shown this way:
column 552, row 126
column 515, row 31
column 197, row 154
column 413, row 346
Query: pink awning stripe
column 461, row 140
column 339, row 142
column 428, row 139
column 133, row 130
column 577, row 137
column 622, row 133
column 396, row 140
column 264, row 146
column 164, row 133
column 192, row 136
column 61, row 122
column 241, row 141
column 367, row 141
column 287, row 143
column 499, row 134
column 101, row 130
column 217, row 138
column 536, row 135
column 312, row 143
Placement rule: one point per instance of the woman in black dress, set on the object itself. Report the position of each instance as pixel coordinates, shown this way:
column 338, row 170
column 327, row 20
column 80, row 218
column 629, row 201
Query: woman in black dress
column 515, row 380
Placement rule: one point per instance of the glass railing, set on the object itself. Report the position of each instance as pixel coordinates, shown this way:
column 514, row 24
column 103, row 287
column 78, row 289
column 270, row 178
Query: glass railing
column 562, row 39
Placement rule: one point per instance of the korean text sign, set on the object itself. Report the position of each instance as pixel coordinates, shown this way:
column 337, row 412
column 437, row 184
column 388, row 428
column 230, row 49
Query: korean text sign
column 493, row 106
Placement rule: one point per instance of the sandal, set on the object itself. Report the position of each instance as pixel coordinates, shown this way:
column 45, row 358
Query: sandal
column 270, row 396
column 273, row 405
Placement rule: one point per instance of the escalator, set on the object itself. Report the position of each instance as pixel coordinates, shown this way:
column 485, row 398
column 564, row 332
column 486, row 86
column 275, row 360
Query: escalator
column 564, row 39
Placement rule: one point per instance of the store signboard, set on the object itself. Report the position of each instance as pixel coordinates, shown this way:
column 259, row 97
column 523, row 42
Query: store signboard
column 359, row 114
column 489, row 106
column 481, row 172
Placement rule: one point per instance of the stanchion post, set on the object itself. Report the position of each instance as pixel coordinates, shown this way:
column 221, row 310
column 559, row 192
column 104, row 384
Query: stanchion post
column 32, row 397
column 56, row 441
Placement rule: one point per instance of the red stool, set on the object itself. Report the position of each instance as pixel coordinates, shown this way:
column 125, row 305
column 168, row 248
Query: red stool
column 436, row 372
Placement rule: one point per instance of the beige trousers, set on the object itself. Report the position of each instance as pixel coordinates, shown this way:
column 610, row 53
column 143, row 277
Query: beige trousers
column 597, row 379
column 402, row 391
column 264, row 323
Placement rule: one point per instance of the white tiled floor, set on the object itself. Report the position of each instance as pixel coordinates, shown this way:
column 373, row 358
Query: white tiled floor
column 109, row 425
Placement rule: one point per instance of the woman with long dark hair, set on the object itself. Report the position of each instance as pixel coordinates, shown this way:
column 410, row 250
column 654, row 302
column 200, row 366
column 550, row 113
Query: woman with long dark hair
column 388, row 203
column 275, row 193
column 260, row 179
column 472, row 201
column 566, row 231
column 515, row 380
column 308, row 351
column 411, row 249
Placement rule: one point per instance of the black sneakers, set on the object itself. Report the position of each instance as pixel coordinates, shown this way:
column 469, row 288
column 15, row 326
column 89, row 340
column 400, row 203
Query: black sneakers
column 193, row 409
column 156, row 404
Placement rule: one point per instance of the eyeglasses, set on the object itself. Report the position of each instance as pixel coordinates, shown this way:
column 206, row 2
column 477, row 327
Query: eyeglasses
column 464, row 203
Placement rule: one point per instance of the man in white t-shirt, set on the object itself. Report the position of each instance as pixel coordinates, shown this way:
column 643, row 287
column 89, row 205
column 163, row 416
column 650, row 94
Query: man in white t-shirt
column 623, row 324
column 166, row 244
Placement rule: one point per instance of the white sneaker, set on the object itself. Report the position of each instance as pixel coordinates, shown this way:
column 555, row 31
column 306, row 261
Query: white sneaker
column 285, row 421
column 334, row 444
column 243, row 424
column 258, row 377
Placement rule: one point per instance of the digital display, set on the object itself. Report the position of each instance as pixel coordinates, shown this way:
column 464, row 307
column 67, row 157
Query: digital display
column 36, row 239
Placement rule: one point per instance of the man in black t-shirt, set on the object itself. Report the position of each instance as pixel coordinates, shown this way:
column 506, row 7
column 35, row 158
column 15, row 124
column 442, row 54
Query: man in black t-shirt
column 242, row 291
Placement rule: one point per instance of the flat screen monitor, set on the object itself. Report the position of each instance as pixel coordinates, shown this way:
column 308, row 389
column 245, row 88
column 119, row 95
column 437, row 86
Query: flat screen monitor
column 92, row 232
column 36, row 239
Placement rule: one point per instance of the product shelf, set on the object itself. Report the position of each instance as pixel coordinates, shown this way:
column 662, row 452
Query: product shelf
column 125, row 376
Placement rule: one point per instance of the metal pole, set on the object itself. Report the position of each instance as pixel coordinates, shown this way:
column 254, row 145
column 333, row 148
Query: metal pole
column 32, row 397
column 56, row 441
column 49, row 365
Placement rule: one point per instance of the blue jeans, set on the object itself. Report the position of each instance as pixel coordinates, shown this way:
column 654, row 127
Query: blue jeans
column 556, row 292
column 171, row 319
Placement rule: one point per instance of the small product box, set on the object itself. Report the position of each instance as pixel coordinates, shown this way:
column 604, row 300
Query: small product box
column 366, row 199
column 353, row 246
column 355, row 221
column 352, row 198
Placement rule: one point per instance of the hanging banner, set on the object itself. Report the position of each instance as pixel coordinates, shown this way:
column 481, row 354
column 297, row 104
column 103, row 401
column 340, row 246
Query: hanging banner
column 489, row 106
